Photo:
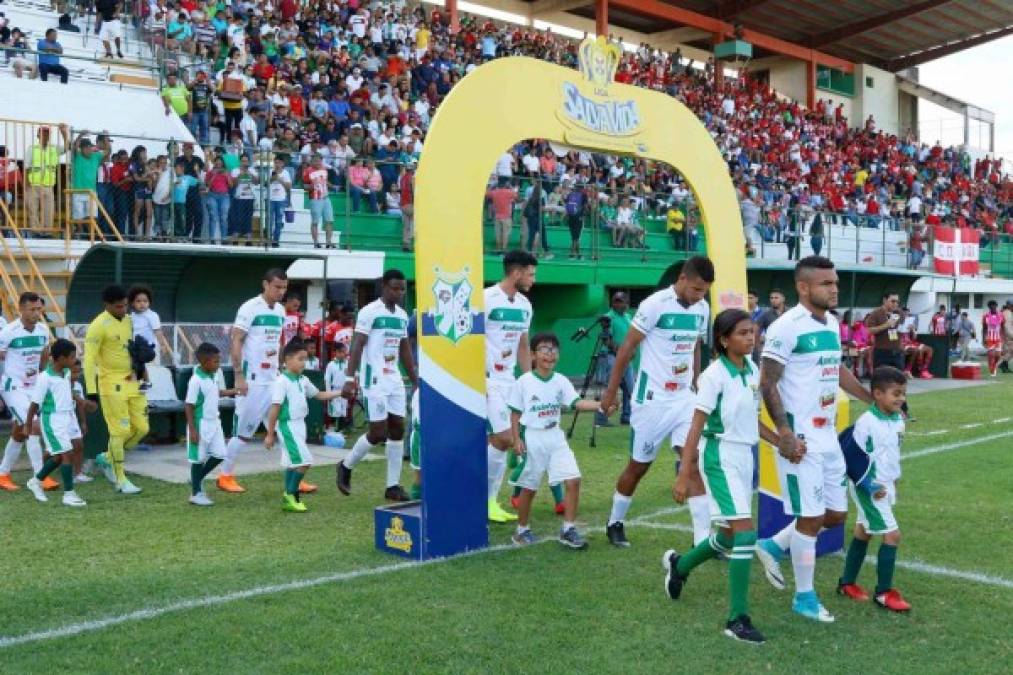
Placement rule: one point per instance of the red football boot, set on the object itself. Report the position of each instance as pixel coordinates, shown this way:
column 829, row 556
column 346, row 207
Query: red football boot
column 893, row 601
column 853, row 591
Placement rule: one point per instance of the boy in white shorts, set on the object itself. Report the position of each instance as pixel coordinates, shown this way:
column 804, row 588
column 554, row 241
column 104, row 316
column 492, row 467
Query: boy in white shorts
column 205, row 448
column 334, row 380
column 536, row 401
column 872, row 451
column 286, row 421
column 53, row 401
column 379, row 350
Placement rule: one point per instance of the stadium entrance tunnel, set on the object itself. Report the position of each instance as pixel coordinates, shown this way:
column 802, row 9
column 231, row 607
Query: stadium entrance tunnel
column 499, row 104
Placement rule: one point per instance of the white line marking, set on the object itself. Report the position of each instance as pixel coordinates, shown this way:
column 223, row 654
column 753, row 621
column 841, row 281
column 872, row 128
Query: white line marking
column 973, row 425
column 954, row 446
column 257, row 591
column 913, row 565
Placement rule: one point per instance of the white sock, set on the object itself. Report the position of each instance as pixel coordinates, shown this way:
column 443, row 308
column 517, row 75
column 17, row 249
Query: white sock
column 359, row 451
column 699, row 510
column 35, row 453
column 521, row 529
column 232, row 450
column 497, row 467
column 783, row 538
column 803, row 561
column 11, row 454
column 395, row 455
column 620, row 505
column 567, row 524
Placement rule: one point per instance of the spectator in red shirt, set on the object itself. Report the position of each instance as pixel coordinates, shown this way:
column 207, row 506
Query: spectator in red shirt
column 503, row 198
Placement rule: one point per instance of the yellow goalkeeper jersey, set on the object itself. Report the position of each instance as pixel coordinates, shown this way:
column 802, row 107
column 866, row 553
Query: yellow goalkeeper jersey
column 106, row 358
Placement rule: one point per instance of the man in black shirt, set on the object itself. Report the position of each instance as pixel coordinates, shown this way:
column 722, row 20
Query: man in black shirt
column 192, row 166
column 111, row 29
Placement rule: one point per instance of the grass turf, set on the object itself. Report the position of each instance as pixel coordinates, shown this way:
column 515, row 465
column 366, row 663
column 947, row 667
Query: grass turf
column 506, row 611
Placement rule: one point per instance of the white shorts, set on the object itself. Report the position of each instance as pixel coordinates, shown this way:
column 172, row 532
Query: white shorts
column 727, row 472
column 654, row 424
column 292, row 442
column 110, row 30
column 415, row 443
column 337, row 407
column 547, row 452
column 383, row 402
column 56, row 432
column 251, row 410
column 75, row 428
column 497, row 412
column 82, row 207
column 816, row 484
column 876, row 515
column 17, row 401
column 210, row 441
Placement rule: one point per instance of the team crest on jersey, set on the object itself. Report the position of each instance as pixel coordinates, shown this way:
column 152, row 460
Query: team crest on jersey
column 452, row 315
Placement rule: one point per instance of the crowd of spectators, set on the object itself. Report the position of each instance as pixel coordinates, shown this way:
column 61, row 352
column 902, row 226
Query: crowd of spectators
column 356, row 84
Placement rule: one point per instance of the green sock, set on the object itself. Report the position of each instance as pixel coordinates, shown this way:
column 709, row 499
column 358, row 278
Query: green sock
column 416, row 491
column 292, row 480
column 49, row 467
column 853, row 561
column 703, row 552
column 209, row 465
column 67, row 474
column 195, row 478
column 557, row 492
column 886, row 561
column 744, row 544
column 517, row 491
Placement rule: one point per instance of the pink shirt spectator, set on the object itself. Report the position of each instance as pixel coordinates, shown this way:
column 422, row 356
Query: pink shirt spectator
column 217, row 182
column 358, row 175
column 860, row 335
column 502, row 202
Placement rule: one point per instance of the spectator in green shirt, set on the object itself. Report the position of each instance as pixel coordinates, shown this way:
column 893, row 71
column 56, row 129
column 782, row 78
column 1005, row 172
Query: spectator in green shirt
column 176, row 97
column 84, row 176
column 620, row 316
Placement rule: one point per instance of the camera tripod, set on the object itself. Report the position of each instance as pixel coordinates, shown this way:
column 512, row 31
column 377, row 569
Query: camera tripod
column 598, row 352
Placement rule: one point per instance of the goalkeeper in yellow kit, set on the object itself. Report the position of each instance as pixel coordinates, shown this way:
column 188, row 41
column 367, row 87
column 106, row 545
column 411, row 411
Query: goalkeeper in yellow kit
column 109, row 374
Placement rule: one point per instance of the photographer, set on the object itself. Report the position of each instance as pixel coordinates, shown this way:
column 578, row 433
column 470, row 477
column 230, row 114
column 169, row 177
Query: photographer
column 615, row 326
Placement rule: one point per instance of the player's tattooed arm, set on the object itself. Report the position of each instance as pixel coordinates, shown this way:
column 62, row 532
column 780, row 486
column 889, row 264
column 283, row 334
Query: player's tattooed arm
column 770, row 374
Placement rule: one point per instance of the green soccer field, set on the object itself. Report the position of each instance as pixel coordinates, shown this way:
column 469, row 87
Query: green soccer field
column 150, row 584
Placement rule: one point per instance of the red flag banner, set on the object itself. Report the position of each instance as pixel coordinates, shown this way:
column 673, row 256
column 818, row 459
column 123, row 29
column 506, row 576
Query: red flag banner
column 955, row 250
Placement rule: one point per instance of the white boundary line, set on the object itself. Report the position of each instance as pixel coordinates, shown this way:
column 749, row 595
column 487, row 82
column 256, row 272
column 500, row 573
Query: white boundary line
column 72, row 629
column 954, row 446
column 913, row 565
column 973, row 425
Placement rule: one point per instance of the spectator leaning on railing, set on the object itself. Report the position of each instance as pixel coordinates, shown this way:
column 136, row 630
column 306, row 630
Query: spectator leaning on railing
column 87, row 161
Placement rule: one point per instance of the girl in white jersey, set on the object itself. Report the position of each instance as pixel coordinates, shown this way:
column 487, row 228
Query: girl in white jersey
column 727, row 415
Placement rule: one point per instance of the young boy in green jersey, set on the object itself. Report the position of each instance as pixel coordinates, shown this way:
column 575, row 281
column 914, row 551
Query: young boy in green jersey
column 872, row 453
column 53, row 400
column 287, row 419
column 205, row 448
column 536, row 404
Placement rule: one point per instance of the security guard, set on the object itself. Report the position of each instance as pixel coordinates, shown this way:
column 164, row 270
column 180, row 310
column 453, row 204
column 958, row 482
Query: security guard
column 108, row 373
column 42, row 165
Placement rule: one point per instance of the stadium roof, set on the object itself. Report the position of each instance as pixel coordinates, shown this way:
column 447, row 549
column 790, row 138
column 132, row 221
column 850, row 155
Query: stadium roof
column 890, row 34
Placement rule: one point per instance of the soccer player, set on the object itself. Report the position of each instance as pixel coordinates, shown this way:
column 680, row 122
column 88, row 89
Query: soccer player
column 872, row 450
column 287, row 419
column 109, row 376
column 334, row 380
column 205, row 448
column 727, row 415
column 668, row 328
column 379, row 346
column 53, row 397
column 256, row 350
column 993, row 330
column 918, row 355
column 294, row 326
column 508, row 316
column 937, row 323
column 1007, row 337
column 24, row 349
column 536, row 402
column 799, row 379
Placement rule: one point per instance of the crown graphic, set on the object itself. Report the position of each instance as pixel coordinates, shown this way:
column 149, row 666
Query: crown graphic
column 599, row 60
column 451, row 277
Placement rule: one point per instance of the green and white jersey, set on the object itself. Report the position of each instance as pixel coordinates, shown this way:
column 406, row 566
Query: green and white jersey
column 22, row 350
column 671, row 332
column 384, row 330
column 203, row 394
column 291, row 392
column 731, row 399
column 880, row 436
column 811, row 353
column 262, row 324
column 541, row 400
column 506, row 321
column 53, row 392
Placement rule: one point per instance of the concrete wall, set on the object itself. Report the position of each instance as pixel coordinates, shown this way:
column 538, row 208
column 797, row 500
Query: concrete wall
column 879, row 100
column 907, row 107
column 787, row 76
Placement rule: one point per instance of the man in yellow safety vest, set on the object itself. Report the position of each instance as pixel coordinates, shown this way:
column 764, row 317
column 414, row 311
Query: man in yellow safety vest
column 42, row 165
